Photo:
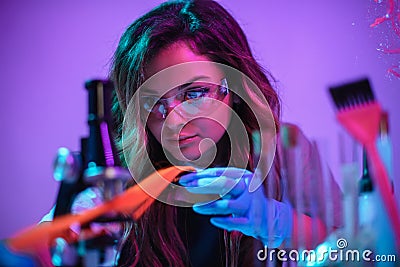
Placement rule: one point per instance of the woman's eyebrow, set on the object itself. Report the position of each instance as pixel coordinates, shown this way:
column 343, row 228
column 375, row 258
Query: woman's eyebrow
column 149, row 91
column 192, row 80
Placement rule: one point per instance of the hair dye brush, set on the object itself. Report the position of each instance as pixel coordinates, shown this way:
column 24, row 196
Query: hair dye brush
column 360, row 114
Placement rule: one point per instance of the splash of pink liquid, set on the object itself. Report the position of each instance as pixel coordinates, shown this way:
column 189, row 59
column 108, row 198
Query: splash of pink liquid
column 392, row 16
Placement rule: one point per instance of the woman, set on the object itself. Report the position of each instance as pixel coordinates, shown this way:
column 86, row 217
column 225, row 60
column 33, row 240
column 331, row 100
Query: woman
column 185, row 79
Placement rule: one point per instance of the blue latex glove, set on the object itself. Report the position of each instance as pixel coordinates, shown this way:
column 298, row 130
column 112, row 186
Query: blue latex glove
column 9, row 258
column 251, row 213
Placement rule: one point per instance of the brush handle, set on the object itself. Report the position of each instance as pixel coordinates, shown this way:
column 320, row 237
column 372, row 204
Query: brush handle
column 381, row 179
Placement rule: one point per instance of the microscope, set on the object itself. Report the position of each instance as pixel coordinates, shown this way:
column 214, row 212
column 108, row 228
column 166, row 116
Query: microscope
column 96, row 166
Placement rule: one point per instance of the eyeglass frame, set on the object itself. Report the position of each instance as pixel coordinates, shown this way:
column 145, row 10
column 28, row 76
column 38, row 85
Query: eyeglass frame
column 166, row 102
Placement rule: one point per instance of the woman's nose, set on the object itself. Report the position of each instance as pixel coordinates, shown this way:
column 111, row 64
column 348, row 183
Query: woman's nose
column 174, row 118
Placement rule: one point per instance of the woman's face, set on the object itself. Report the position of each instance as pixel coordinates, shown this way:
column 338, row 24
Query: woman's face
column 186, row 138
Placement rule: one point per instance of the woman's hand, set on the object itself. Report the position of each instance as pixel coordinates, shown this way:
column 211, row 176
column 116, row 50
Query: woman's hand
column 251, row 213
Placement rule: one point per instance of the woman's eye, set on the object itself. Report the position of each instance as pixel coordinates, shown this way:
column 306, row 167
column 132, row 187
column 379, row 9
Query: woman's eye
column 195, row 93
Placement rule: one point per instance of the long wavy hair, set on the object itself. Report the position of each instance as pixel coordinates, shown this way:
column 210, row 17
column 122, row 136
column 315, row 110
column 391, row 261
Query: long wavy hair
column 210, row 31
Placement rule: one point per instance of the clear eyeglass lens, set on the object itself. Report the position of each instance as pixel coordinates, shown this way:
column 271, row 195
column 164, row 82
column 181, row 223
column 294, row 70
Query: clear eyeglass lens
column 195, row 100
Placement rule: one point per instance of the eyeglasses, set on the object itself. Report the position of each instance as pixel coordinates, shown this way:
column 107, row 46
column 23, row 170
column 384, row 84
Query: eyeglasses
column 197, row 99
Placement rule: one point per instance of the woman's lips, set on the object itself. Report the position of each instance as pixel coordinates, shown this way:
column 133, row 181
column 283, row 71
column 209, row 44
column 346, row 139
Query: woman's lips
column 184, row 140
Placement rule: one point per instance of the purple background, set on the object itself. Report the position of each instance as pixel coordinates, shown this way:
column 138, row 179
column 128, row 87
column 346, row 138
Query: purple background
column 49, row 49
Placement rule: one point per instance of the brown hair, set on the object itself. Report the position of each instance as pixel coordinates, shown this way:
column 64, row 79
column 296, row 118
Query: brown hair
column 210, row 31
